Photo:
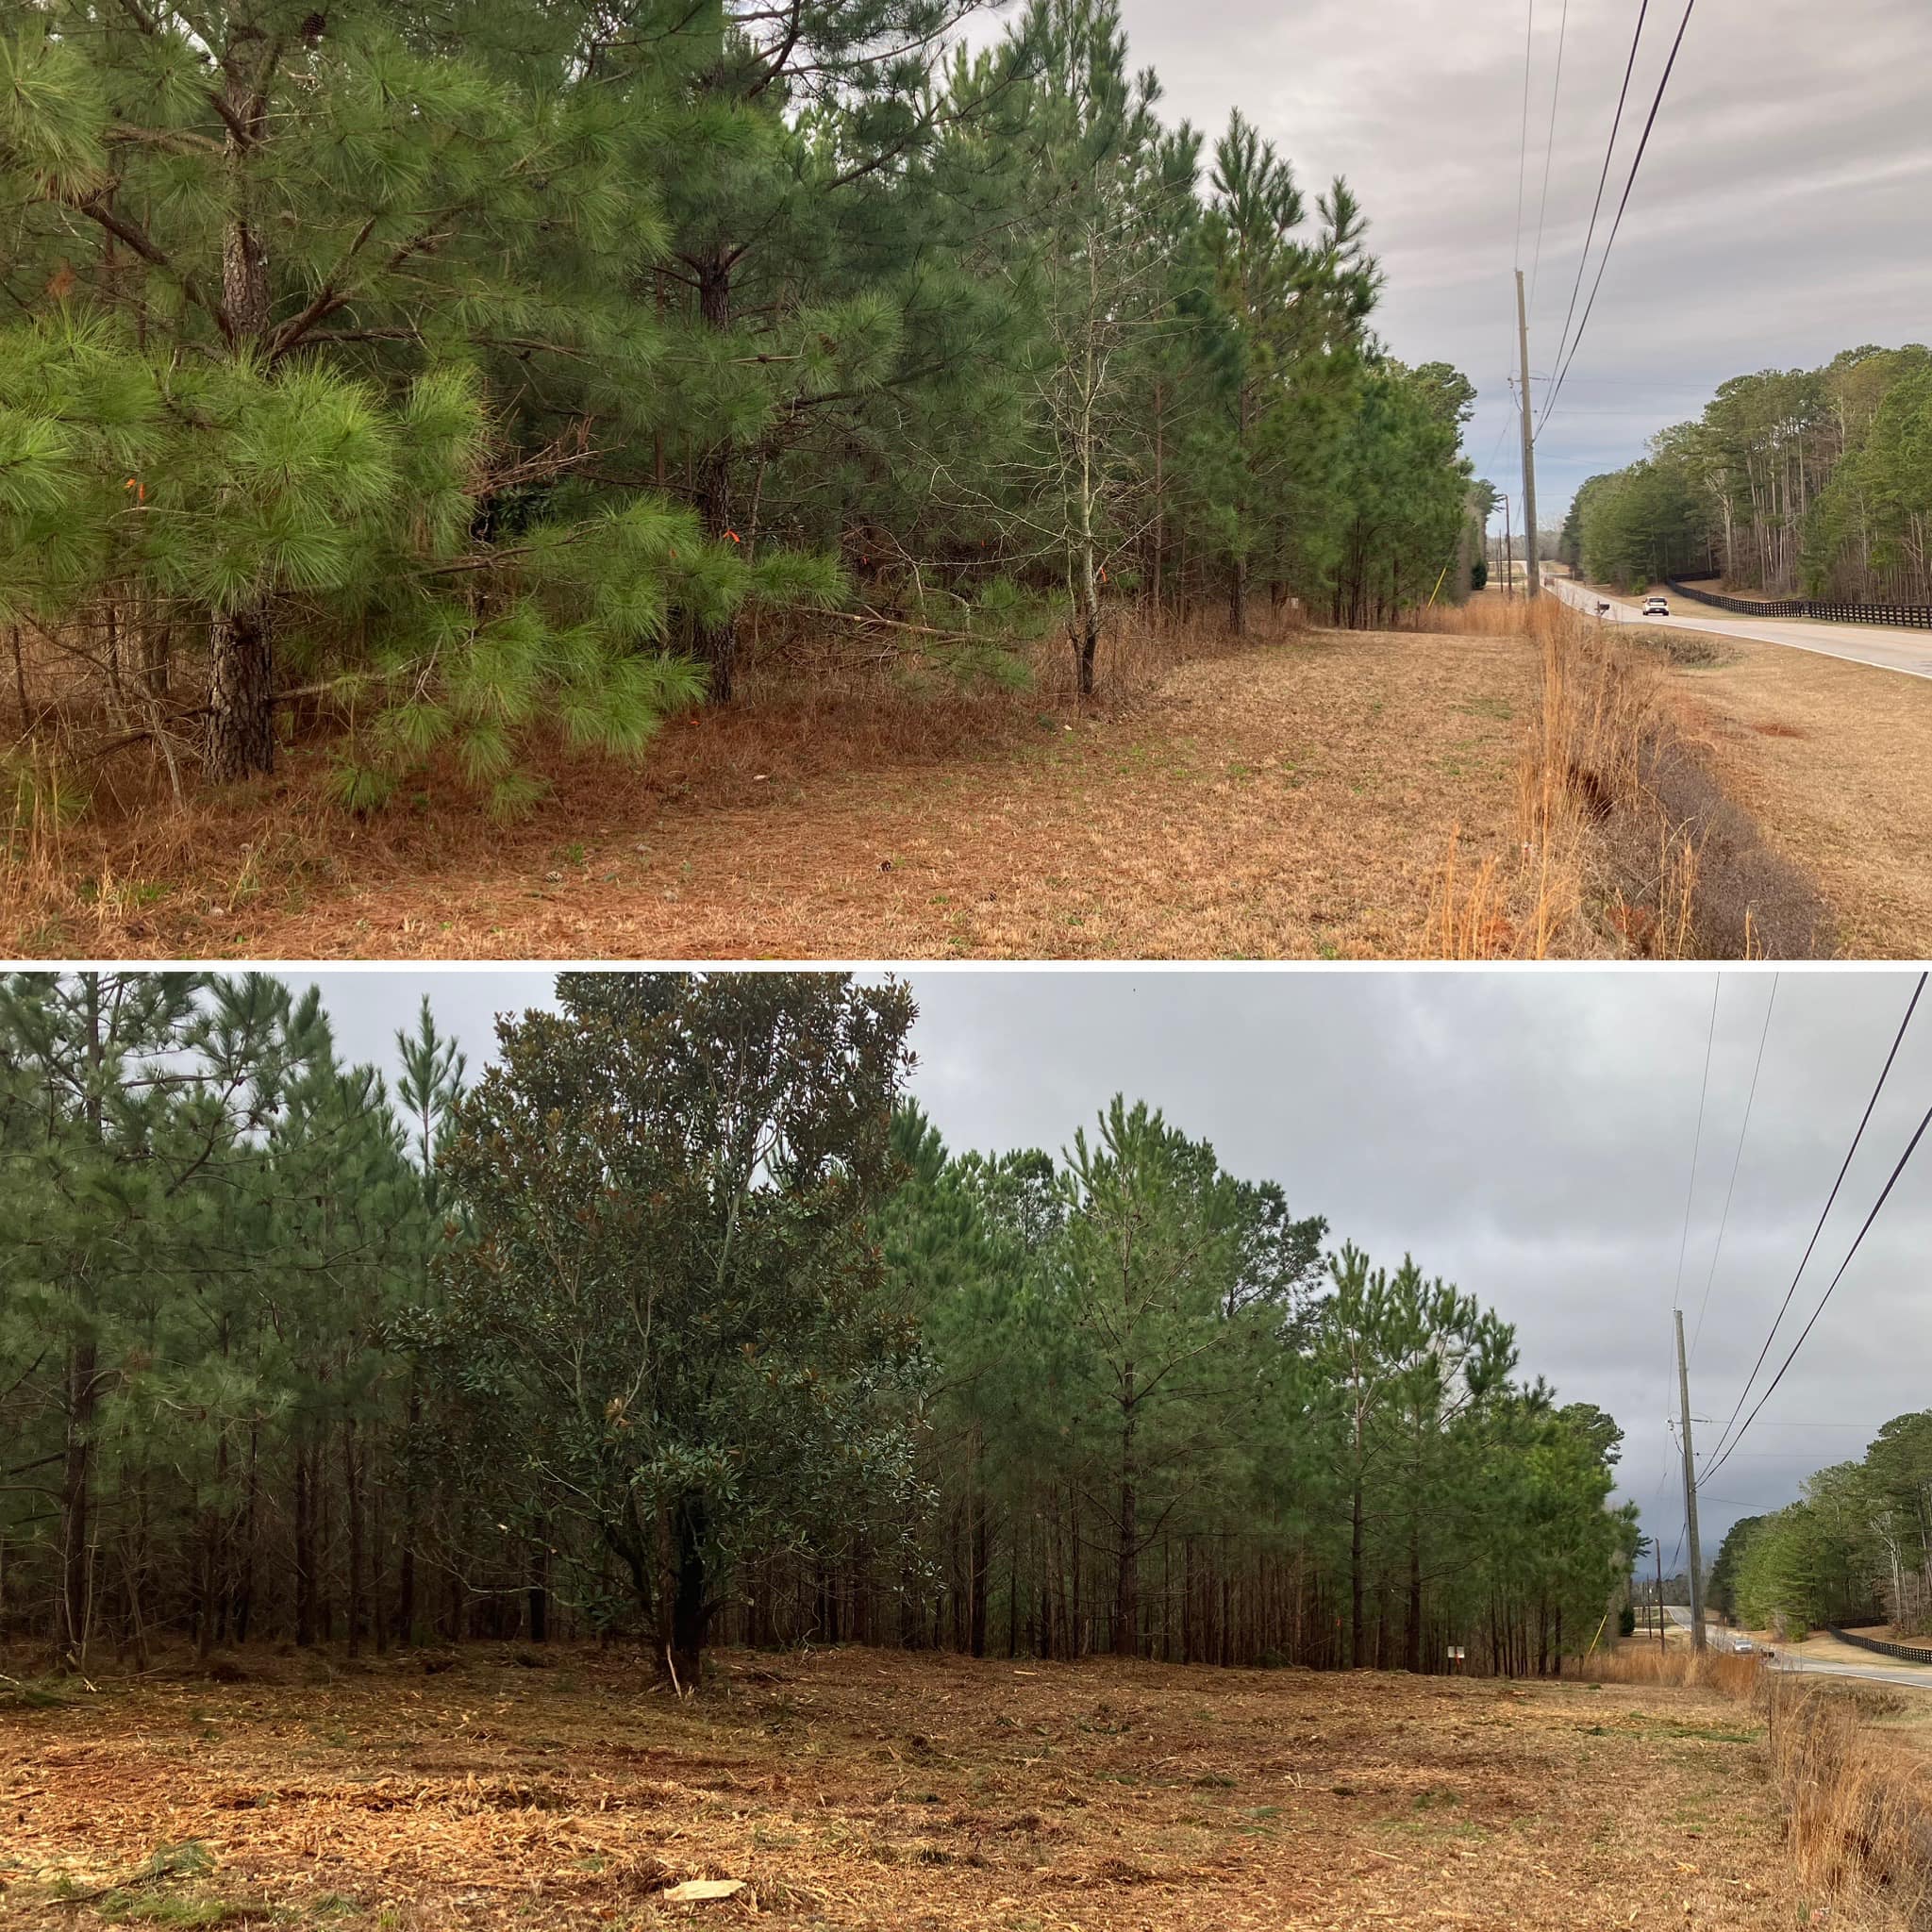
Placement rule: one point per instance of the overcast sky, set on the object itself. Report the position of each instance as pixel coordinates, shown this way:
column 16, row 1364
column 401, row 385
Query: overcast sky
column 1780, row 214
column 1528, row 1136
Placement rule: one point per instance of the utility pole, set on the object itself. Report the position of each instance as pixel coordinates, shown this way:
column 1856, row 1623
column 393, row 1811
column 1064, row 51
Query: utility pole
column 1528, row 443
column 1689, row 1498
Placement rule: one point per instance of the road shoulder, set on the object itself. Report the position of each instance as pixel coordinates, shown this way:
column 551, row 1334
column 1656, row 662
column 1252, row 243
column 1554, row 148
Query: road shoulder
column 1834, row 760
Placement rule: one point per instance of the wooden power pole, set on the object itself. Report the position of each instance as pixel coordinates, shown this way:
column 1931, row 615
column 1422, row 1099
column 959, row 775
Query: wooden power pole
column 1528, row 443
column 1689, row 1498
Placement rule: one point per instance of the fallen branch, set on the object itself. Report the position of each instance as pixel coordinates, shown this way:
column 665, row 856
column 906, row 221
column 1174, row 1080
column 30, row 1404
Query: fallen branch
column 924, row 630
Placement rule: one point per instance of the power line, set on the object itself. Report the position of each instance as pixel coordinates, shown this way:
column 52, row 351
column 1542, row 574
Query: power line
column 1891, row 1180
column 1549, row 152
column 1697, row 1143
column 1631, row 182
column 1724, row 1219
column 1522, row 145
column 1688, row 389
column 1743, row 1393
column 1596, row 208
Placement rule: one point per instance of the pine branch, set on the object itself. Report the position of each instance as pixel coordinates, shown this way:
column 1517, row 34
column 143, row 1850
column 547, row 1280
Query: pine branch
column 180, row 140
column 94, row 205
column 329, row 299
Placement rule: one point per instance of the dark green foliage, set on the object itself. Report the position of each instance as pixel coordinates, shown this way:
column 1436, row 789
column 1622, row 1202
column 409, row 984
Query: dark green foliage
column 667, row 1299
column 207, row 1226
column 456, row 378
column 1722, row 1590
column 1857, row 1542
column 299, row 393
column 683, row 1325
column 1797, row 482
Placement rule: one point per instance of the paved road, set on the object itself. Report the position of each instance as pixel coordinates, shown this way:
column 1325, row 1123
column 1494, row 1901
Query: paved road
column 1912, row 1677
column 1909, row 651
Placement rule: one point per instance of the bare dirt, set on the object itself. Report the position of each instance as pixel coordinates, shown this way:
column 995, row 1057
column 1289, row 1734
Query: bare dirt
column 855, row 1788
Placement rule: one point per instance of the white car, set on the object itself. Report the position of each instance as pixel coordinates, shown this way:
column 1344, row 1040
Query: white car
column 1655, row 607
column 1742, row 1645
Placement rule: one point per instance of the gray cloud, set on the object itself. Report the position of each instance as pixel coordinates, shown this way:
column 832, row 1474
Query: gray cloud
column 1779, row 216
column 1526, row 1135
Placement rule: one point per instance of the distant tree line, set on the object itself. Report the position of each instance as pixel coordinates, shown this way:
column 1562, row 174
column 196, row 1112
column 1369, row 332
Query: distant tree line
column 1802, row 482
column 681, row 1325
column 1856, row 1545
column 472, row 374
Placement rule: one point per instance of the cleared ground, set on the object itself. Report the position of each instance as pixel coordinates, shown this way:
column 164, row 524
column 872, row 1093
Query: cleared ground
column 855, row 1788
column 1290, row 800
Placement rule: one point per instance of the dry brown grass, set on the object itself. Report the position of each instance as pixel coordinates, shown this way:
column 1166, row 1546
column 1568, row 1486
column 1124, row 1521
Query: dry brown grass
column 1628, row 844
column 1835, row 760
column 1291, row 797
column 868, row 1790
column 1853, row 1763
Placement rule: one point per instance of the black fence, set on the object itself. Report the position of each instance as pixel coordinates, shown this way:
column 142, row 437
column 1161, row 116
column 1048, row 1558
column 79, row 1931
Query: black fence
column 1912, row 616
column 1907, row 1653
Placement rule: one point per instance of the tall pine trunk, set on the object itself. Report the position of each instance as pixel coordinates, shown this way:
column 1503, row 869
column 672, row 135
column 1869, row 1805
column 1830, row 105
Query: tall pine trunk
column 237, row 740
column 1237, row 571
column 717, row 638
column 1355, row 1576
column 981, row 1560
column 77, row 1498
column 1414, row 1633
column 352, row 1482
column 83, row 1402
column 304, row 1552
column 244, row 1583
column 1126, row 1608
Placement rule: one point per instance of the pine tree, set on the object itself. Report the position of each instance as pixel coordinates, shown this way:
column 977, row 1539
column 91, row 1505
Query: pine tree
column 801, row 278
column 284, row 267
column 132, row 1101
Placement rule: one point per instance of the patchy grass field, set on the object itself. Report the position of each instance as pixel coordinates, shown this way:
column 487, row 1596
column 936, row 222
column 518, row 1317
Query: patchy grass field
column 854, row 1788
column 1295, row 799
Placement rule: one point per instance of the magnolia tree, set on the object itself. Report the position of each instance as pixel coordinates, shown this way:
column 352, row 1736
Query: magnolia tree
column 667, row 1302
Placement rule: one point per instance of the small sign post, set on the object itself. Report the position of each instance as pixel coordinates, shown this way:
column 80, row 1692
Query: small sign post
column 1456, row 1655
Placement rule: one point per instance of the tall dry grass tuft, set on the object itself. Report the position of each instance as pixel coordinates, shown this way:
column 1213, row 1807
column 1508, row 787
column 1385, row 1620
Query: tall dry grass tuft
column 1857, row 1799
column 1638, row 1660
column 1629, row 845
column 1859, row 1804
column 1536, row 909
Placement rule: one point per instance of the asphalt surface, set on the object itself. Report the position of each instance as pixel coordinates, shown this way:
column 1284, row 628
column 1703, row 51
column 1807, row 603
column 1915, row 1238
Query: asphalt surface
column 1912, row 1677
column 1909, row 651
